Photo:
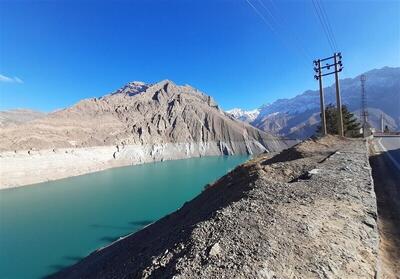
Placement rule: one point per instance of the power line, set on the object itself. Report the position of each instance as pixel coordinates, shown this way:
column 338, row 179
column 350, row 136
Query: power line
column 260, row 15
column 272, row 24
column 293, row 34
column 324, row 27
column 273, row 18
column 327, row 23
column 318, row 14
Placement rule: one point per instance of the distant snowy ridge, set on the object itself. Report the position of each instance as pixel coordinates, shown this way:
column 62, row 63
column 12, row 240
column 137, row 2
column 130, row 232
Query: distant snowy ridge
column 381, row 83
column 298, row 117
column 244, row 115
column 133, row 88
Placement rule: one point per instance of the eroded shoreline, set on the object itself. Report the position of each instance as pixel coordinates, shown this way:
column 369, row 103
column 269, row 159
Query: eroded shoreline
column 28, row 167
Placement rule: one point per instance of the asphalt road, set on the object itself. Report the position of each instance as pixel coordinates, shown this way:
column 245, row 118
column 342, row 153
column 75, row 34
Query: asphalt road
column 391, row 145
column 385, row 163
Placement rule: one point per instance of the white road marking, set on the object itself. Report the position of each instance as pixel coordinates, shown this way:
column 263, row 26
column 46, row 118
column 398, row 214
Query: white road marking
column 396, row 164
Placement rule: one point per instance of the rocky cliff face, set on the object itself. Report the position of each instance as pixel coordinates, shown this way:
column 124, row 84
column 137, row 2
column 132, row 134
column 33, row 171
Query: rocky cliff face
column 135, row 124
column 136, row 114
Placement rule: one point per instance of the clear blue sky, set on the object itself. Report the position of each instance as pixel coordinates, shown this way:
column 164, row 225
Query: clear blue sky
column 54, row 53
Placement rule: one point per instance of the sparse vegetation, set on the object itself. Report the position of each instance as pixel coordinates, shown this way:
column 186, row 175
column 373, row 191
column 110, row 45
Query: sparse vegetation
column 350, row 123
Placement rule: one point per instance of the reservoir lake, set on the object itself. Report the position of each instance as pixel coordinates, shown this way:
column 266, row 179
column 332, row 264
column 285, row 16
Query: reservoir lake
column 48, row 226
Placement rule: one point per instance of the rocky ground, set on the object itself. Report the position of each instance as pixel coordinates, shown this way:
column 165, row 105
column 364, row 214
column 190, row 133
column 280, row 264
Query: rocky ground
column 307, row 212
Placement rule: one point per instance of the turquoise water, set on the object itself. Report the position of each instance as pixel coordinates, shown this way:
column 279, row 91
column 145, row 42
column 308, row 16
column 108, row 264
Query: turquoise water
column 48, row 226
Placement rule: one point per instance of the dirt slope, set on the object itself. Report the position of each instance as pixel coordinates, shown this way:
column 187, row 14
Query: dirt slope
column 308, row 212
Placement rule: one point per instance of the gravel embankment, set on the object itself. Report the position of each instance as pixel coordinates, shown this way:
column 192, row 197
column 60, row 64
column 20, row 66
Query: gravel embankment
column 308, row 212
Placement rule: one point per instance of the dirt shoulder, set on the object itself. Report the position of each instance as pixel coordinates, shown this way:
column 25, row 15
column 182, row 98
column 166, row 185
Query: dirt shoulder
column 307, row 212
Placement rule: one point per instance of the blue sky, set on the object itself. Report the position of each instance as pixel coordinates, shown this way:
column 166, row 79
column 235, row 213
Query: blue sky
column 54, row 53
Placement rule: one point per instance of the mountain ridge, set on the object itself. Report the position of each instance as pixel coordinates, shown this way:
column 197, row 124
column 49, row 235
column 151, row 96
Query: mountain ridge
column 18, row 116
column 298, row 117
column 244, row 115
column 137, row 124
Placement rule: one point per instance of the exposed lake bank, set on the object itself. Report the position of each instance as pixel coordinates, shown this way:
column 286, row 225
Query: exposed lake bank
column 26, row 167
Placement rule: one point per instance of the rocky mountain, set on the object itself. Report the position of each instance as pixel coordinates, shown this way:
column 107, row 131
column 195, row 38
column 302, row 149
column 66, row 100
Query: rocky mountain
column 137, row 113
column 18, row 116
column 135, row 124
column 298, row 117
column 244, row 115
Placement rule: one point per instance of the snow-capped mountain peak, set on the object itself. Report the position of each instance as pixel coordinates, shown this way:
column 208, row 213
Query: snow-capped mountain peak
column 244, row 115
column 298, row 117
column 133, row 88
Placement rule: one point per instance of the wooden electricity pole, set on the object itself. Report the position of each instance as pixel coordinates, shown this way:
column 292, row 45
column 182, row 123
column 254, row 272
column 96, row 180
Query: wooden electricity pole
column 338, row 98
column 364, row 111
column 321, row 97
column 338, row 67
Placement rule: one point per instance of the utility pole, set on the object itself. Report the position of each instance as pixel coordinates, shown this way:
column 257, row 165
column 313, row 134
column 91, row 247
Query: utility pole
column 321, row 96
column 382, row 129
column 338, row 98
column 338, row 67
column 364, row 111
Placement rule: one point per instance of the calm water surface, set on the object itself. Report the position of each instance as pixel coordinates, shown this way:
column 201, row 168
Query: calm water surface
column 48, row 226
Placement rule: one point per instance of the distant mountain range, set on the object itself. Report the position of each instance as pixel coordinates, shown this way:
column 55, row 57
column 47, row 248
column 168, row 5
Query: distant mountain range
column 298, row 117
column 18, row 116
